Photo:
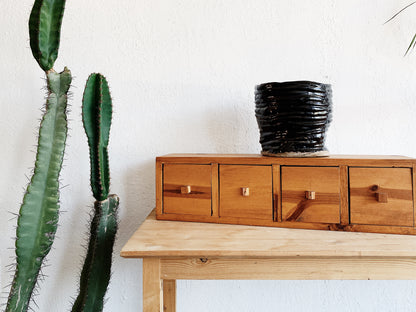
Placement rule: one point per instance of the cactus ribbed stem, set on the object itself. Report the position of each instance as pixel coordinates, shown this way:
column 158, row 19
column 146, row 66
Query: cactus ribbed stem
column 96, row 271
column 45, row 31
column 96, row 116
column 38, row 216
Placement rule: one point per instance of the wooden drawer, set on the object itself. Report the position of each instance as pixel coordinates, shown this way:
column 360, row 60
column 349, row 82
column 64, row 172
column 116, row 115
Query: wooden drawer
column 324, row 185
column 246, row 191
column 187, row 189
column 381, row 196
column 352, row 193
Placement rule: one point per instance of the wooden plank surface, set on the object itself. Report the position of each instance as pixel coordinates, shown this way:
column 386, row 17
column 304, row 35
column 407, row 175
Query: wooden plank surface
column 277, row 203
column 405, row 230
column 191, row 239
column 197, row 178
column 215, row 188
column 414, row 193
column 344, row 156
column 152, row 286
column 159, row 187
column 256, row 159
column 169, row 295
column 344, row 196
column 258, row 180
column 394, row 183
column 304, row 268
column 325, row 184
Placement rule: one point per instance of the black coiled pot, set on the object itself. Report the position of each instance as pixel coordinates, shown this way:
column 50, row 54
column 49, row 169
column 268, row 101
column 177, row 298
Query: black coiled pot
column 293, row 118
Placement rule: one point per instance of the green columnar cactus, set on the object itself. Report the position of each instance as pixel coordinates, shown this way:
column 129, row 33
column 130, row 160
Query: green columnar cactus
column 38, row 215
column 45, row 31
column 96, row 272
column 96, row 116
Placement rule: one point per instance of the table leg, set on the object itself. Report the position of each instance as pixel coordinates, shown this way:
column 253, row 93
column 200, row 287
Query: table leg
column 169, row 295
column 152, row 286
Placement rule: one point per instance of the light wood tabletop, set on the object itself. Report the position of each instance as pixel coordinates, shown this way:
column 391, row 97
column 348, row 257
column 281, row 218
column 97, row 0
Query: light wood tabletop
column 174, row 250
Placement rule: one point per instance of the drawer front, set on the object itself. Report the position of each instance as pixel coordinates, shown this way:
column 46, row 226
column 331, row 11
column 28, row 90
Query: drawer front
column 311, row 194
column 246, row 192
column 187, row 189
column 381, row 196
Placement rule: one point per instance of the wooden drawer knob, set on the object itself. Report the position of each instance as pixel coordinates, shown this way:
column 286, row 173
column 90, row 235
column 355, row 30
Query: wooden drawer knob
column 310, row 195
column 186, row 189
column 381, row 197
column 245, row 191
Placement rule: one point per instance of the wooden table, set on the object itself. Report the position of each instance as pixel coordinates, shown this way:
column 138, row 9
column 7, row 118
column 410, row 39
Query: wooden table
column 173, row 250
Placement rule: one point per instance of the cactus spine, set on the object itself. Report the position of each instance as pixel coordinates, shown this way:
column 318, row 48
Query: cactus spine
column 39, row 212
column 96, row 272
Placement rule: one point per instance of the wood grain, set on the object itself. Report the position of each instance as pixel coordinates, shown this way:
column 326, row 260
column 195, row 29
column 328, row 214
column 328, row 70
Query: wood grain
column 218, row 199
column 395, row 183
column 294, row 225
column 159, row 187
column 414, row 193
column 169, row 295
column 344, row 195
column 152, row 287
column 215, row 190
column 256, row 159
column 198, row 177
column 277, row 203
column 259, row 204
column 191, row 239
column 324, row 181
column 291, row 268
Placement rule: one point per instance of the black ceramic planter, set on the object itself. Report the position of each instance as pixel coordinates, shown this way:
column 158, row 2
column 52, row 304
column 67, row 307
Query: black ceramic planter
column 293, row 118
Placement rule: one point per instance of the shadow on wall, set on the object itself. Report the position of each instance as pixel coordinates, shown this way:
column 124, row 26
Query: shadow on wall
column 138, row 200
column 136, row 203
column 70, row 253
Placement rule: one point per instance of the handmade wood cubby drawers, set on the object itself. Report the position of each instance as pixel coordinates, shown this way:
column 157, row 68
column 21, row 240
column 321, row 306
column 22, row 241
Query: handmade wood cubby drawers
column 341, row 193
column 246, row 191
column 187, row 189
column 381, row 196
column 297, row 207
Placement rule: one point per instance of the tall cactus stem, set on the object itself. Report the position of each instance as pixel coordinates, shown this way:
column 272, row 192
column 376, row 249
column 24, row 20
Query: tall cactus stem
column 38, row 216
column 96, row 116
column 96, row 271
column 45, row 31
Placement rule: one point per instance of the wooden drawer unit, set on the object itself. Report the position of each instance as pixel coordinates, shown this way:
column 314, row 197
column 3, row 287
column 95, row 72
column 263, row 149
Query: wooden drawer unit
column 246, row 192
column 308, row 197
column 187, row 189
column 381, row 196
column 340, row 193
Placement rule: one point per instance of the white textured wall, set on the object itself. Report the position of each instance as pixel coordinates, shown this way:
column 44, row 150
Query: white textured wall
column 182, row 74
